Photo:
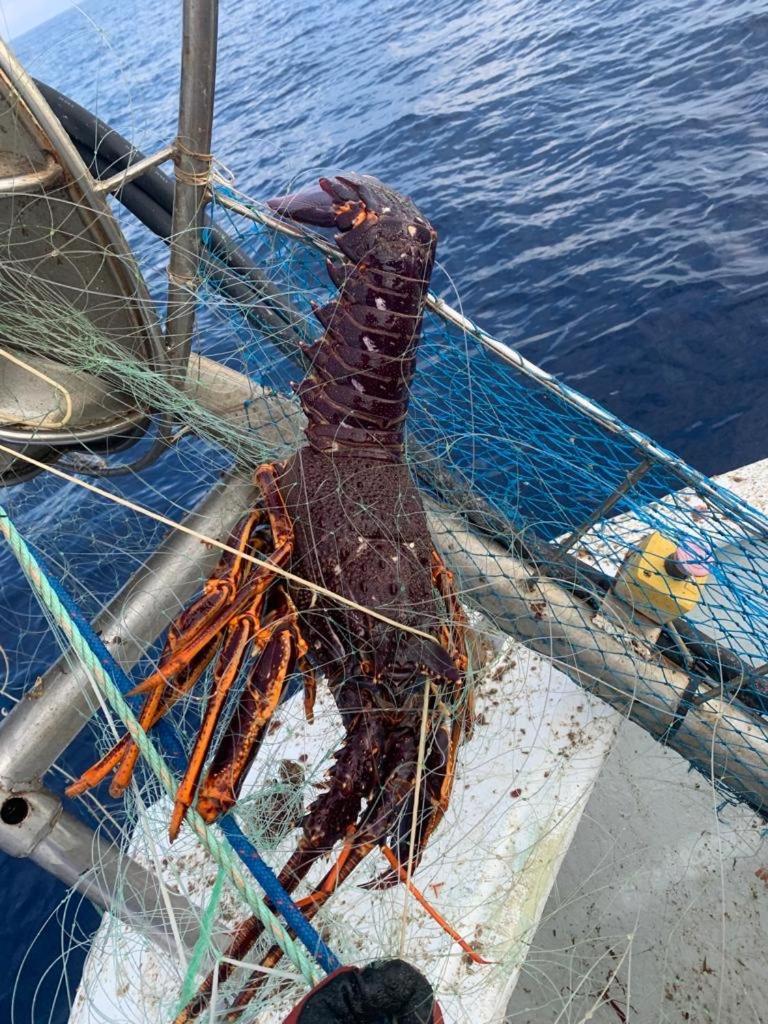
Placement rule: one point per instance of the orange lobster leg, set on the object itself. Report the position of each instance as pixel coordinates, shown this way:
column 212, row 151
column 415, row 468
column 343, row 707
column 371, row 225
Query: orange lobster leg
column 218, row 590
column 281, row 644
column 246, row 598
column 211, row 620
column 221, row 585
column 435, row 914
column 158, row 703
column 99, row 771
column 237, row 640
column 243, row 628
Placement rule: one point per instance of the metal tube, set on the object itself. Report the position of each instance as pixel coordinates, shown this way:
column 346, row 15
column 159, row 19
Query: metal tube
column 243, row 408
column 15, row 184
column 122, row 178
column 49, row 716
column 33, row 824
column 193, row 164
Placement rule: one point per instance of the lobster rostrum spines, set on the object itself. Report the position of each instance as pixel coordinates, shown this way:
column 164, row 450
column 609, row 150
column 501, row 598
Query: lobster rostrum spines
column 356, row 393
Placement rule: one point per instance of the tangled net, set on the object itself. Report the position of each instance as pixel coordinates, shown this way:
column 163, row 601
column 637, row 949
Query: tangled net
column 536, row 497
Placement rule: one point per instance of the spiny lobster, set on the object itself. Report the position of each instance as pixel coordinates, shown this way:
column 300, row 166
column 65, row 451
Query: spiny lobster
column 342, row 513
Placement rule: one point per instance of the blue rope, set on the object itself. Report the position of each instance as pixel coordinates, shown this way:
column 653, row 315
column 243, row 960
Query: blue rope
column 281, row 902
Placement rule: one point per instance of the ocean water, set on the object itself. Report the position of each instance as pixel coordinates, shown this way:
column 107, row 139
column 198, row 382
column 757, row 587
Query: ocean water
column 597, row 173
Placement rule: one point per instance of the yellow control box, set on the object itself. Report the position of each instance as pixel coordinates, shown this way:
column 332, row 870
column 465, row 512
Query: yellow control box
column 661, row 579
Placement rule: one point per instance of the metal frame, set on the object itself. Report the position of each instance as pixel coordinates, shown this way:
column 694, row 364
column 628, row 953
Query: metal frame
column 108, row 185
column 191, row 153
column 81, row 187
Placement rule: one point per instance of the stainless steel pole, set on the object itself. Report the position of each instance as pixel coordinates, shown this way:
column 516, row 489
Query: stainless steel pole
column 33, row 824
column 193, row 164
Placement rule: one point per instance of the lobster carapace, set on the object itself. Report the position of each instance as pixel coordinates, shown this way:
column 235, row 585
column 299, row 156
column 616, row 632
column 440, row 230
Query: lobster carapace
column 343, row 514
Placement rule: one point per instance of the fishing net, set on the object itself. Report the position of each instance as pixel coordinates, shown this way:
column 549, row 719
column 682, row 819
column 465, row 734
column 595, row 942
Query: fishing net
column 540, row 502
column 543, row 475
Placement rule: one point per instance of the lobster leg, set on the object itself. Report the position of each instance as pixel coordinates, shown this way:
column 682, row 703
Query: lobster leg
column 235, row 589
column 438, row 778
column 149, row 717
column 208, row 622
column 251, row 593
column 222, row 586
column 281, row 644
column 256, row 706
column 218, row 591
column 446, row 735
column 157, row 704
column 197, row 625
column 235, row 648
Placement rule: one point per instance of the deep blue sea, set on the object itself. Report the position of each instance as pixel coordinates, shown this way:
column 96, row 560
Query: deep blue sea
column 597, row 170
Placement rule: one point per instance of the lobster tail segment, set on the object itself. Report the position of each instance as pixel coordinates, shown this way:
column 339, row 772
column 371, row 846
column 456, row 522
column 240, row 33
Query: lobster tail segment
column 356, row 393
